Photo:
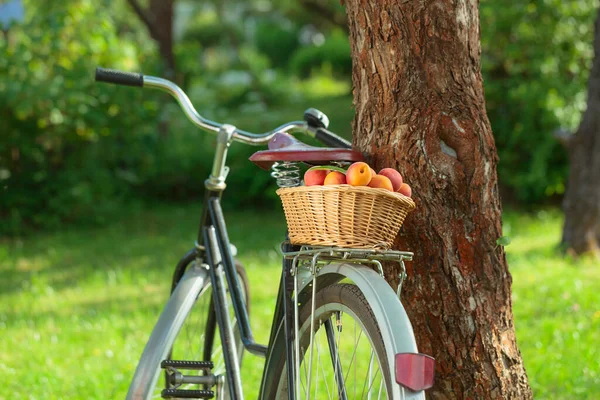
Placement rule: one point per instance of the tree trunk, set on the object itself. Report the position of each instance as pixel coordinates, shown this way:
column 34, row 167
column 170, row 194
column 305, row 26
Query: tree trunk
column 420, row 107
column 158, row 18
column 581, row 204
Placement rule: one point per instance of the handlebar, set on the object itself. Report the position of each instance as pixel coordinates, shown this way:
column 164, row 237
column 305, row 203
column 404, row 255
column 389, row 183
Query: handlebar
column 316, row 130
column 331, row 139
column 119, row 77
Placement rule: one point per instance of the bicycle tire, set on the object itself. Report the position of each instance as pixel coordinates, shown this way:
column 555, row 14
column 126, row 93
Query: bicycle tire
column 203, row 305
column 336, row 298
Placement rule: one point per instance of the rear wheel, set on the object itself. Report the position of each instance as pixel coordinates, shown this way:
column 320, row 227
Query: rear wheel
column 199, row 338
column 344, row 357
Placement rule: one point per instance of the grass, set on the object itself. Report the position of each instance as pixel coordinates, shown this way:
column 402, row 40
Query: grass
column 556, row 305
column 77, row 306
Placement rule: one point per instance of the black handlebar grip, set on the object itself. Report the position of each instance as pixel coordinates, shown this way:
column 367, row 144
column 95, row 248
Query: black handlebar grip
column 331, row 139
column 119, row 77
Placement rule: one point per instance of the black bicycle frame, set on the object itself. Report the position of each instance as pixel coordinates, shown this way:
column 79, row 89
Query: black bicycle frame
column 213, row 248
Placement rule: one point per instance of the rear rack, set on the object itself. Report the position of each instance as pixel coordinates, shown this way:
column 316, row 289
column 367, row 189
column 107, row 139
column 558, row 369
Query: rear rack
column 315, row 257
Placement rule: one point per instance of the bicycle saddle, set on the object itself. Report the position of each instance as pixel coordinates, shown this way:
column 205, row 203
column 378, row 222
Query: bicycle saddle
column 285, row 147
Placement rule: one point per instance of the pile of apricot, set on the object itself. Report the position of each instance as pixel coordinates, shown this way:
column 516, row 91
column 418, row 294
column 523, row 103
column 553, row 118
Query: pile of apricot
column 358, row 174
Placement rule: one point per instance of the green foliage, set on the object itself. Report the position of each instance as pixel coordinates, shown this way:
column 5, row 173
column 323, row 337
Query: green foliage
column 206, row 29
column 178, row 163
column 503, row 241
column 335, row 52
column 71, row 149
column 278, row 40
column 58, row 123
column 536, row 57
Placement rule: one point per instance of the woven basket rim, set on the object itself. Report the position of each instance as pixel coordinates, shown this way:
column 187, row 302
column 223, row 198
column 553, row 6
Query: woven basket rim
column 407, row 201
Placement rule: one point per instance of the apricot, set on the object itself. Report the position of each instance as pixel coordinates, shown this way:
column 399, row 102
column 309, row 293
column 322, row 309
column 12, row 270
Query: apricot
column 359, row 174
column 405, row 190
column 381, row 181
column 314, row 177
column 394, row 176
column 335, row 178
column 373, row 173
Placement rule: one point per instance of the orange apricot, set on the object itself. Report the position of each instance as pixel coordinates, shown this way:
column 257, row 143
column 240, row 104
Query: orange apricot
column 381, row 181
column 335, row 178
column 405, row 190
column 359, row 174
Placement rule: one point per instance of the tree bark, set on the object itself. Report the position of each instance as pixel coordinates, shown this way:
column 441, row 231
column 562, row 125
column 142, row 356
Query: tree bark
column 581, row 204
column 158, row 18
column 420, row 108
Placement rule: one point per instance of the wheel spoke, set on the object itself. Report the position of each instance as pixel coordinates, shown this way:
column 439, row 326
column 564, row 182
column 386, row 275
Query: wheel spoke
column 303, row 386
column 352, row 359
column 329, row 392
column 381, row 382
column 333, row 343
column 368, row 380
column 380, row 391
column 349, row 356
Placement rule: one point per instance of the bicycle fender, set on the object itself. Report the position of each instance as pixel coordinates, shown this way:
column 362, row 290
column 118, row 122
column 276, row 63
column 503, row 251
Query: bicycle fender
column 397, row 333
column 169, row 323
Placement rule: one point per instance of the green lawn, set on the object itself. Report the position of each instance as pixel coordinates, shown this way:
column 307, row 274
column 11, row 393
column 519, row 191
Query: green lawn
column 77, row 306
column 556, row 304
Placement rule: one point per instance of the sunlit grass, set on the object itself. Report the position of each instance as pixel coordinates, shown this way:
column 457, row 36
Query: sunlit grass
column 77, row 306
column 556, row 304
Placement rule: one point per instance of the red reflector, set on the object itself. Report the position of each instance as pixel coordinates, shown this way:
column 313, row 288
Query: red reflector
column 415, row 371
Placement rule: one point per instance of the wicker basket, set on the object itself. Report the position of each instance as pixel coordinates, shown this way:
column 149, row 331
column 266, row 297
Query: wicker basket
column 344, row 215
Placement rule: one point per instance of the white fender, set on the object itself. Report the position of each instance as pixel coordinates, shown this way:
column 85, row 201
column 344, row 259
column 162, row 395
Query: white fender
column 396, row 331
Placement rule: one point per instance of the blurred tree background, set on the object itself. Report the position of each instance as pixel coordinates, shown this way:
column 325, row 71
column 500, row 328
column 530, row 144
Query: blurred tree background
column 75, row 151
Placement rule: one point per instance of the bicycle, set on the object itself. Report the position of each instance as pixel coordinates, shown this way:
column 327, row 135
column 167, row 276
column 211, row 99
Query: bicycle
column 326, row 295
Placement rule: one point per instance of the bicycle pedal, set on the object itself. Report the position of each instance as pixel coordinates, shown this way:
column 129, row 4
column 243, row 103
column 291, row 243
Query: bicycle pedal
column 193, row 365
column 187, row 394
